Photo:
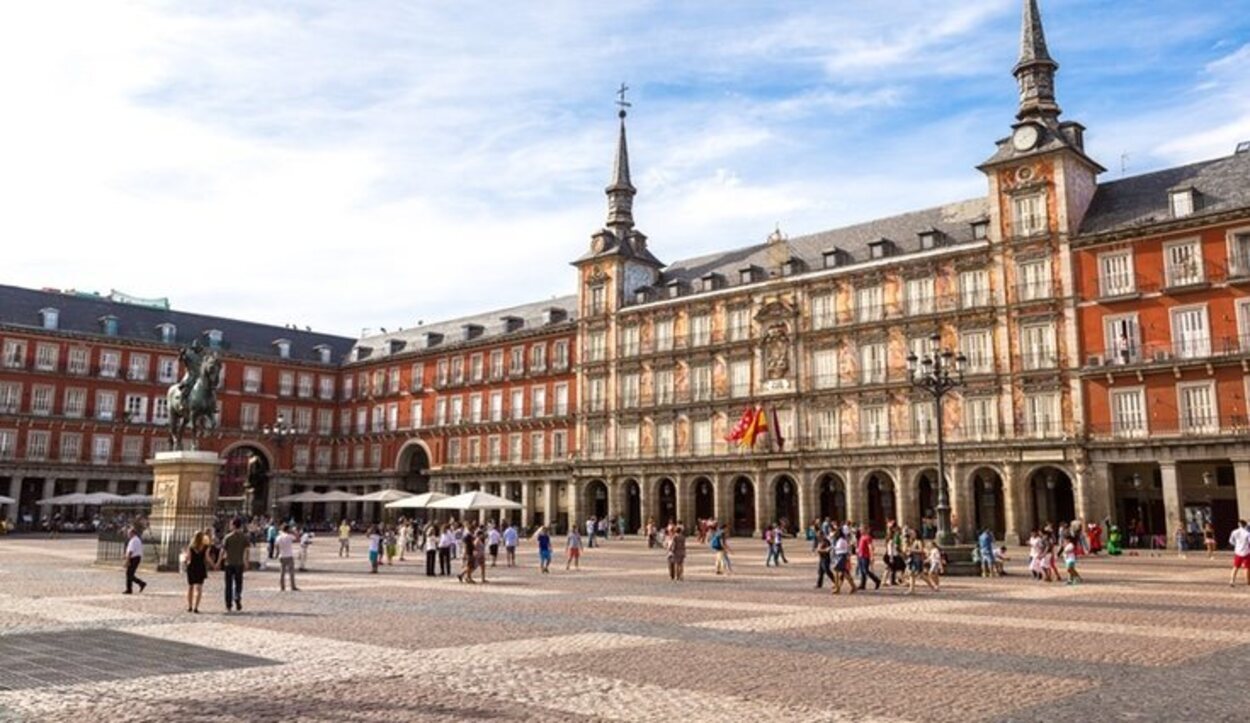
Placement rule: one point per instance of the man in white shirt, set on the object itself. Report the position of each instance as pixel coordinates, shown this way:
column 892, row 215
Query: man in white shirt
column 1240, row 540
column 492, row 540
column 285, row 547
column 305, row 540
column 509, row 543
column 590, row 532
column 134, row 554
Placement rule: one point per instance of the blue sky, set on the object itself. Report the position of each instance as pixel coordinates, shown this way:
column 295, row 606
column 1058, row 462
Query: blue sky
column 368, row 164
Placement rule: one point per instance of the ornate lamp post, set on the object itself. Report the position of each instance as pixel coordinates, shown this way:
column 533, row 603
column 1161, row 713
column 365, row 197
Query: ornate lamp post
column 934, row 375
column 278, row 433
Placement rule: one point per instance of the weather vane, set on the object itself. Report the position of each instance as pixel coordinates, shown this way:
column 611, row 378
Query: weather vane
column 620, row 96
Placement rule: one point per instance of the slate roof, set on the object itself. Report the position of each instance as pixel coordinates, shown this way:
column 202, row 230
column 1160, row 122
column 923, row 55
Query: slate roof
column 80, row 314
column 1223, row 184
column 533, row 317
column 953, row 220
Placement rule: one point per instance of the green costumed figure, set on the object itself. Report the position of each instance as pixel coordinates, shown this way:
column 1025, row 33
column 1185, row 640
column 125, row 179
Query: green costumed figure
column 1114, row 541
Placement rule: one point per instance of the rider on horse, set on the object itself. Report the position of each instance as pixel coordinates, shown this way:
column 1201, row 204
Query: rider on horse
column 192, row 357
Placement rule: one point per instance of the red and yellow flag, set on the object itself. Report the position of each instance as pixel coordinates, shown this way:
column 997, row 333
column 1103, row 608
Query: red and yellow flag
column 744, row 423
column 758, row 426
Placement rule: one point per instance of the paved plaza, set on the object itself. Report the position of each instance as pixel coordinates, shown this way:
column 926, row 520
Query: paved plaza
column 1144, row 639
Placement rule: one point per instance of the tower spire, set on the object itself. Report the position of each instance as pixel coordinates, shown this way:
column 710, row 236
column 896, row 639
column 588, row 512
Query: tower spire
column 1035, row 71
column 621, row 191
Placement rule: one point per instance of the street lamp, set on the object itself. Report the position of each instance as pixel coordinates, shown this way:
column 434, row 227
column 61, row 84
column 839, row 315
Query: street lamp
column 934, row 375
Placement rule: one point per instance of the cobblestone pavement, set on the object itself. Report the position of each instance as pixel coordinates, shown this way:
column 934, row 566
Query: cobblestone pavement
column 1143, row 639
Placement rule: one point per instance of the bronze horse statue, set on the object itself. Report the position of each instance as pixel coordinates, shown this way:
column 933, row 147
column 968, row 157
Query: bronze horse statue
column 197, row 407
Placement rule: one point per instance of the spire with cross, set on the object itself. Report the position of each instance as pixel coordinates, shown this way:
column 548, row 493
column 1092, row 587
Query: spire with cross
column 621, row 191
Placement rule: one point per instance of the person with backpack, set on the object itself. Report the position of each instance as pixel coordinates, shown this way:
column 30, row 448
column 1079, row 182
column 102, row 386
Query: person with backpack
column 720, row 545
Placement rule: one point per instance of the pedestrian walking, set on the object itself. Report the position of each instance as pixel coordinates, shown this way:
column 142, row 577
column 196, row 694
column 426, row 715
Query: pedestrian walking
column 466, row 569
column 720, row 545
column 375, row 548
column 509, row 543
column 405, row 538
column 915, row 562
column 779, row 536
column 573, row 546
column 842, row 563
column 305, row 541
column 285, row 546
column 431, row 549
column 1208, row 539
column 493, row 538
column 824, row 559
column 770, row 547
column 591, row 527
column 544, row 549
column 446, row 540
column 985, row 547
column 134, row 555
column 863, row 561
column 197, row 569
column 936, row 565
column 479, row 549
column 345, row 539
column 1240, row 540
column 676, row 555
column 237, row 549
column 271, row 537
column 389, row 543
column 1069, row 562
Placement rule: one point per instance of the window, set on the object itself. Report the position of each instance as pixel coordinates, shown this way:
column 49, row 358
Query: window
column 46, row 357
column 286, row 383
column 981, row 230
column 110, row 363
column 362, row 420
column 538, row 401
column 375, row 456
column 665, row 388
column 874, row 424
column 980, row 418
column 824, row 428
column 596, row 350
column 702, row 436
column 537, row 447
column 78, row 360
column 453, row 451
column 349, row 385
column 416, row 377
column 1037, row 346
column 517, row 359
column 36, row 444
column 928, row 240
column 872, row 363
column 824, row 368
column 517, row 404
column 974, row 288
column 1128, row 412
column 1123, row 339
column 629, row 390
column 922, row 425
column 51, row 318
column 249, row 416
column 11, row 397
column 132, row 450
column 477, row 370
column 1029, row 215
column 416, row 415
column 475, row 408
column 1033, row 280
column 496, row 364
column 1183, row 263
column 323, row 459
column 101, row 448
column 325, row 386
column 1181, row 203
column 562, row 400
column 440, row 412
column 457, row 410
column 740, row 378
column 514, row 448
column 596, row 398
column 627, row 442
column 1190, row 339
column 976, row 347
column 700, row 329
column 1041, row 415
column 160, row 410
column 869, row 304
column 305, row 386
column 919, row 296
column 822, row 311
column 559, row 444
column 1197, row 407
column 701, row 382
column 75, row 402
column 105, row 405
column 496, row 406
column 379, row 418
column 392, row 416
column 251, row 379
column 739, row 324
column 166, row 369
column 664, row 335
column 41, row 399
column 630, row 341
column 284, row 348
column 71, row 447
column 1115, row 274
column 560, row 355
column 664, row 440
column 538, row 357
column 14, row 354
column 136, row 409
column 1239, row 253
column 441, row 376
column 598, row 297
column 596, row 441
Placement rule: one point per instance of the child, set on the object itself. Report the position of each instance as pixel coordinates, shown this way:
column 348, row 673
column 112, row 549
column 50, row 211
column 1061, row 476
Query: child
column 573, row 548
column 935, row 566
column 1069, row 561
column 390, row 546
column 1000, row 557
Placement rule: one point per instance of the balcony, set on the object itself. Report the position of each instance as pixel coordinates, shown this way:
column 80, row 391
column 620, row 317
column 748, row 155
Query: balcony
column 1170, row 352
column 1036, row 291
column 1195, row 426
column 1038, row 360
column 1184, row 276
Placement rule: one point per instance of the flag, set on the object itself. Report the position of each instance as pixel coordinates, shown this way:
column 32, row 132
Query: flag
column 740, row 429
column 758, row 426
column 778, row 440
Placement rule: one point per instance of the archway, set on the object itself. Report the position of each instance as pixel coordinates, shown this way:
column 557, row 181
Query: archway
column 832, row 497
column 786, row 496
column 744, row 506
column 988, row 507
column 880, row 500
column 414, row 465
column 633, row 507
column 596, row 499
column 926, row 502
column 704, row 499
column 1050, row 489
column 666, row 502
column 243, row 482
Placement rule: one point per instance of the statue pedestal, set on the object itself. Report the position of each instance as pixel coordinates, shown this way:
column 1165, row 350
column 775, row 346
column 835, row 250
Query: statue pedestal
column 185, row 488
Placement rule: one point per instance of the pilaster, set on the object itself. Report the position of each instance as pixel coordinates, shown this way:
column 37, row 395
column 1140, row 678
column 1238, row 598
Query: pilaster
column 1173, row 511
column 1241, row 472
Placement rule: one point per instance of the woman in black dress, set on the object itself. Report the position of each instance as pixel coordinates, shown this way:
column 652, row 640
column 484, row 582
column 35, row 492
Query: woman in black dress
column 197, row 570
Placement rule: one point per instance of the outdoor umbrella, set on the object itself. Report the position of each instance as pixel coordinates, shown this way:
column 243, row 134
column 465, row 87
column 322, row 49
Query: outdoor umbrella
column 338, row 496
column 305, row 496
column 7, row 500
column 475, row 501
column 75, row 498
column 417, row 501
column 383, row 496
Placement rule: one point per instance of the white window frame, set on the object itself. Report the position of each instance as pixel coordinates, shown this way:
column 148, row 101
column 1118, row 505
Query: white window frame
column 1206, row 424
column 920, row 296
column 1117, row 282
column 1185, row 348
column 1183, row 272
column 1029, row 215
column 1122, row 348
column 1139, row 425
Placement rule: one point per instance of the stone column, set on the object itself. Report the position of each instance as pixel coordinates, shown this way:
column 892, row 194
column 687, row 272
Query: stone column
column 528, row 505
column 962, row 510
column 573, row 490
column 186, row 490
column 908, row 500
column 550, row 504
column 1100, row 492
column 112, row 487
column 724, row 499
column 15, row 491
column 856, row 496
column 49, row 490
column 807, row 502
column 1241, row 472
column 1173, row 501
column 1013, row 507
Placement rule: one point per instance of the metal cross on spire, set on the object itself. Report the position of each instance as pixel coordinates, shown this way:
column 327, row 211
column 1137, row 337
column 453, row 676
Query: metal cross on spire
column 620, row 98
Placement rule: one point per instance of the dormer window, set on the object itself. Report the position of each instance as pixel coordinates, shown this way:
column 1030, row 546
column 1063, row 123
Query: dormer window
column 674, row 289
column 109, row 324
column 168, row 332
column 640, row 295
column 512, row 323
column 929, row 239
column 49, row 318
column 363, row 352
column 980, row 230
column 214, row 338
column 433, row 338
column 710, row 282
column 880, row 248
column 395, row 346
column 471, row 331
column 1183, row 202
column 284, row 348
column 748, row 274
column 832, row 257
column 323, row 353
column 791, row 266
column 554, row 315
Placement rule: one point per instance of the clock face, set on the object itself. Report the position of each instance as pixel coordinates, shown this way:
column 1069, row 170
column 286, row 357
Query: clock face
column 1024, row 137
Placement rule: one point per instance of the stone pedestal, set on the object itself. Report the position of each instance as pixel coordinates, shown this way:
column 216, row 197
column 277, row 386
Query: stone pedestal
column 184, row 489
column 959, row 561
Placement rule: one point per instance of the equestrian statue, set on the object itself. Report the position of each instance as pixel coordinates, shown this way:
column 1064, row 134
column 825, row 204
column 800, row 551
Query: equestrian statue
column 193, row 400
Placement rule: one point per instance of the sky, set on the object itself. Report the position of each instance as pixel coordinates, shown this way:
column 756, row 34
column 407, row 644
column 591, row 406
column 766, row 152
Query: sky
column 362, row 165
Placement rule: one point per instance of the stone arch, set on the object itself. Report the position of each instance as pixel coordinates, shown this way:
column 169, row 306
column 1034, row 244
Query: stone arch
column 742, row 515
column 881, row 492
column 831, row 496
column 665, row 501
column 244, row 477
column 632, row 490
column 595, row 496
column 988, row 495
column 413, row 463
column 785, row 490
column 704, row 491
column 1051, row 495
column 926, row 486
